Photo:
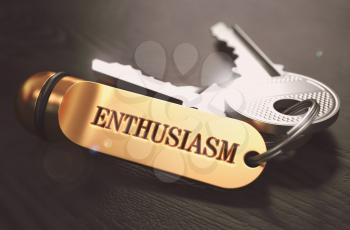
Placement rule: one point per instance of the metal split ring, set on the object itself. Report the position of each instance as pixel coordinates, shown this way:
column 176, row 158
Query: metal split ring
column 312, row 108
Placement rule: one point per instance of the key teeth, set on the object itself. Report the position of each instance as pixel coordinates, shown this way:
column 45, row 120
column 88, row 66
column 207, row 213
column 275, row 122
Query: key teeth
column 222, row 33
column 220, row 37
column 140, row 73
column 235, row 72
column 220, row 26
column 134, row 70
column 128, row 67
column 151, row 83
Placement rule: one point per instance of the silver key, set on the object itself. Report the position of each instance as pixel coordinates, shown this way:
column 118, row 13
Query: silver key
column 186, row 94
column 264, row 89
column 255, row 103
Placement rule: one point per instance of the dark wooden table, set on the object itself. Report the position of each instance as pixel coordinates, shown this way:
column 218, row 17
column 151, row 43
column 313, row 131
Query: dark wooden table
column 57, row 186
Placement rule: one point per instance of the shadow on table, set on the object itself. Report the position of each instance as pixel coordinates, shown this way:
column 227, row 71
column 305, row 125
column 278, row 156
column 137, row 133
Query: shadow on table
column 312, row 166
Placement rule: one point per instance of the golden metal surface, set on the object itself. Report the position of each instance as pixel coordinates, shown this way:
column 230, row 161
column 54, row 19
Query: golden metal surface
column 200, row 146
column 27, row 97
column 27, row 100
column 52, row 130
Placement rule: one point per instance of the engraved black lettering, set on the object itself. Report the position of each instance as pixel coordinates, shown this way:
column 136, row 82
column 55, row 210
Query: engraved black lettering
column 212, row 144
column 155, row 132
column 196, row 143
column 142, row 126
column 117, row 122
column 173, row 136
column 227, row 154
column 184, row 139
column 100, row 116
column 130, row 119
column 163, row 133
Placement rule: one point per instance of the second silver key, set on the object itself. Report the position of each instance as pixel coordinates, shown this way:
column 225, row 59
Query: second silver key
column 264, row 90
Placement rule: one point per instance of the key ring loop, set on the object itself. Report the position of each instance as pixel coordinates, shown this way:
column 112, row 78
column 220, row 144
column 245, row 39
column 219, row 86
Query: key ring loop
column 292, row 134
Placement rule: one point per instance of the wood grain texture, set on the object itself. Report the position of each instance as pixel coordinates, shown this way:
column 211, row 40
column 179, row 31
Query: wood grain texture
column 60, row 186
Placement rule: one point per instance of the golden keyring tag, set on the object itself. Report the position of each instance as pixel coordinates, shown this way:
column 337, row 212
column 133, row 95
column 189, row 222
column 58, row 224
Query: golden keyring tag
column 152, row 132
